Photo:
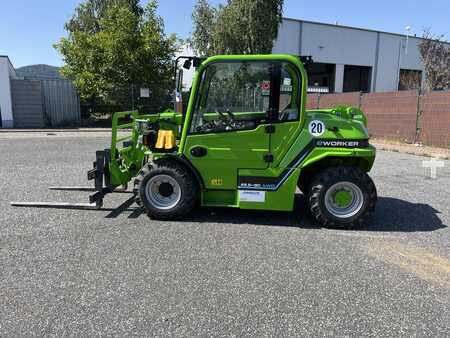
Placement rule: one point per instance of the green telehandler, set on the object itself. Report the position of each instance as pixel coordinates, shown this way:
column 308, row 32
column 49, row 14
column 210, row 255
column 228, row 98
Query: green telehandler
column 244, row 141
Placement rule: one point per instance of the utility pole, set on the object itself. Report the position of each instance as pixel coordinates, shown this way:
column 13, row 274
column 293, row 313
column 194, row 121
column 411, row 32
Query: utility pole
column 408, row 28
column 399, row 62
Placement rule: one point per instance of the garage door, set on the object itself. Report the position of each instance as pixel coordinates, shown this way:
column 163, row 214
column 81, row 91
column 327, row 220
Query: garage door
column 27, row 104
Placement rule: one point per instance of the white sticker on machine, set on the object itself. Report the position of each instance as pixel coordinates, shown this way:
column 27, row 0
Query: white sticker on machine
column 316, row 128
column 252, row 196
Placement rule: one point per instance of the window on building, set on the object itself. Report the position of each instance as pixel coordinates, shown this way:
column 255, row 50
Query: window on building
column 357, row 78
column 321, row 76
column 409, row 79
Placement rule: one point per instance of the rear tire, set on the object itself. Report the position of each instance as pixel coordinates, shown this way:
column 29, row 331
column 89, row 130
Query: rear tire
column 342, row 197
column 165, row 190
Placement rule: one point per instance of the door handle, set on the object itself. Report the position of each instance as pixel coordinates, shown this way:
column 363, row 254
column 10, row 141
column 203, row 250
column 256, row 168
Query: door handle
column 199, row 152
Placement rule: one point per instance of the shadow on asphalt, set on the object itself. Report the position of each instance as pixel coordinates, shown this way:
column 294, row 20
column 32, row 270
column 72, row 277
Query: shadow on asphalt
column 125, row 206
column 391, row 215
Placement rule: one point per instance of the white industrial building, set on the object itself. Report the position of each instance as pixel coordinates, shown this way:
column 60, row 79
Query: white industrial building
column 351, row 59
column 7, row 72
column 35, row 100
column 348, row 59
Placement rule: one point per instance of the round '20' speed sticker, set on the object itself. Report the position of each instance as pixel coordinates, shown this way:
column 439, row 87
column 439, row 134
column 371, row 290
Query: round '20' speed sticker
column 316, row 128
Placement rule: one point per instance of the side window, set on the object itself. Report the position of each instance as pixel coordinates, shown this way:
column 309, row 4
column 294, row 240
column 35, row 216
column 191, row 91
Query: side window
column 232, row 96
column 237, row 96
column 289, row 91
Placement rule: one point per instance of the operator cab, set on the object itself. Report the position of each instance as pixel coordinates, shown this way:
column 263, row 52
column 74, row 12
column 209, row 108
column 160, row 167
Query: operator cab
column 243, row 113
column 237, row 95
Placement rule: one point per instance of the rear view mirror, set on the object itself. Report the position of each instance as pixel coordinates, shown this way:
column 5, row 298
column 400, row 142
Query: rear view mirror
column 187, row 64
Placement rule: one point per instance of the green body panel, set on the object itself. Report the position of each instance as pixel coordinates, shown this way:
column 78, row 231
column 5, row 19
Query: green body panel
column 279, row 200
column 366, row 154
column 218, row 198
column 285, row 135
column 238, row 155
column 348, row 129
column 227, row 153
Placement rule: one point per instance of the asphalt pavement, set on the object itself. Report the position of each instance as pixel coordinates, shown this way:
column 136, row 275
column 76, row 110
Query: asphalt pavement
column 220, row 272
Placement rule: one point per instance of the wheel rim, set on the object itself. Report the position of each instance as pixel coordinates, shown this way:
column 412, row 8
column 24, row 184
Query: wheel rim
column 344, row 199
column 163, row 192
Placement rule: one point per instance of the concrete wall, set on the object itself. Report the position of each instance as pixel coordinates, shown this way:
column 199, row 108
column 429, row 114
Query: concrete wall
column 288, row 41
column 6, row 73
column 340, row 45
column 392, row 51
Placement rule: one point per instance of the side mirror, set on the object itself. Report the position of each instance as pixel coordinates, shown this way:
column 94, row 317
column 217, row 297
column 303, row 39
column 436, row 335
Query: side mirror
column 187, row 64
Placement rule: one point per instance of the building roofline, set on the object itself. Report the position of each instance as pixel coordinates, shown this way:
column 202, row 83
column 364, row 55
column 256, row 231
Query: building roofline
column 10, row 63
column 7, row 57
column 358, row 28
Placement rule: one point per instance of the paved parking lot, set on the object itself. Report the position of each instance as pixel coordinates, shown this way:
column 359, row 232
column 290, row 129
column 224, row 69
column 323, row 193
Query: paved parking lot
column 221, row 271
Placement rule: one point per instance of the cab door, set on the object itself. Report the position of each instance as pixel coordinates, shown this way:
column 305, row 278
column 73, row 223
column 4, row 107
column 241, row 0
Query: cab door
column 286, row 108
column 228, row 124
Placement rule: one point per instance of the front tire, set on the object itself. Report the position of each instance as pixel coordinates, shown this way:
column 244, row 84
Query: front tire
column 166, row 190
column 342, row 197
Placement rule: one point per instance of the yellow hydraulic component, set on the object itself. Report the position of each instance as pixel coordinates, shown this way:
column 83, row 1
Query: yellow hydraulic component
column 166, row 140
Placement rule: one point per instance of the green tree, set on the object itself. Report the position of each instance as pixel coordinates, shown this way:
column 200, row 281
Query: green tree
column 87, row 15
column 127, row 47
column 435, row 54
column 204, row 19
column 238, row 27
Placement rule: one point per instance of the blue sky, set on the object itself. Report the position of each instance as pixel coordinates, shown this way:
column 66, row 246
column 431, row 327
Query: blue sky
column 29, row 28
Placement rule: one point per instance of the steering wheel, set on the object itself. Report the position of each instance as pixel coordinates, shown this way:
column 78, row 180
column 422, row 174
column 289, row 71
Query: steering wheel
column 222, row 115
column 231, row 115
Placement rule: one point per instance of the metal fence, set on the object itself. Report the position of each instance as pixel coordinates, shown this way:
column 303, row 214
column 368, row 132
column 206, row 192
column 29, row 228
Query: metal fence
column 61, row 102
column 27, row 104
column 39, row 103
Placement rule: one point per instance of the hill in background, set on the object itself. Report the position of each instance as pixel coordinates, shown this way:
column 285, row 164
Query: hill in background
column 39, row 72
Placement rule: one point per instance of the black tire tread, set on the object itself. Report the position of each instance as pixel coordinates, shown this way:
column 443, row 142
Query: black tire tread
column 332, row 175
column 189, row 188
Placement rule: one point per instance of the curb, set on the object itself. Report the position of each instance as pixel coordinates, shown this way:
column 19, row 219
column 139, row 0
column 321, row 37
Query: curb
column 410, row 149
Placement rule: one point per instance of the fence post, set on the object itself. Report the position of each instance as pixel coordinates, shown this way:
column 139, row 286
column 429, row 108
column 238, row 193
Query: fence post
column 418, row 115
column 318, row 101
